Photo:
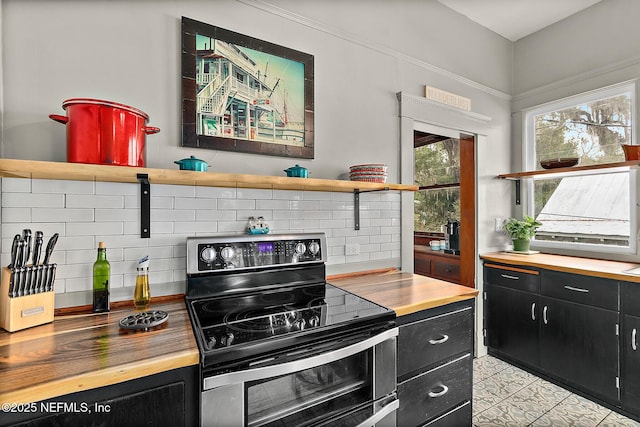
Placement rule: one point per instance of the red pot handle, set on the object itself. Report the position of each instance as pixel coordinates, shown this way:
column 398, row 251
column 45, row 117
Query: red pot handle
column 150, row 130
column 58, row 118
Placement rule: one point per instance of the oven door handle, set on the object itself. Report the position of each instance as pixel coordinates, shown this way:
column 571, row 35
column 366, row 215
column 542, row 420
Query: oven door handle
column 385, row 410
column 297, row 365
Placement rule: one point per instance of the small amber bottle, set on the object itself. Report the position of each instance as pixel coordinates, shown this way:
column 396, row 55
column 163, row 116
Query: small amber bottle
column 142, row 293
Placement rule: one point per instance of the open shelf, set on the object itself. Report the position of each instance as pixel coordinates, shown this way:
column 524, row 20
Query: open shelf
column 518, row 175
column 14, row 168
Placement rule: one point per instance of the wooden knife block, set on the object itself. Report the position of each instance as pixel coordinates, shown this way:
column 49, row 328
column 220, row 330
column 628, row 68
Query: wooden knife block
column 23, row 312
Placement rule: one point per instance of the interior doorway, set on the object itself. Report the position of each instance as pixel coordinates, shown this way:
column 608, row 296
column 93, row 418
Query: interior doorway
column 444, row 207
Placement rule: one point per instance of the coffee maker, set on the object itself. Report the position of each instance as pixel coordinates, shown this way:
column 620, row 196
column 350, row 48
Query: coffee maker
column 452, row 236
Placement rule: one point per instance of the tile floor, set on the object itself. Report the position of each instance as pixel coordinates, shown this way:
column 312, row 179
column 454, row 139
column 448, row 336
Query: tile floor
column 504, row 395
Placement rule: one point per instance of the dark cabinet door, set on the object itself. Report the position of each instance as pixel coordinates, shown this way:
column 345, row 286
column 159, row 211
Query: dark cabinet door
column 631, row 363
column 512, row 322
column 579, row 344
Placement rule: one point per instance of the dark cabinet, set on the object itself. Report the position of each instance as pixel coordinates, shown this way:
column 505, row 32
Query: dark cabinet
column 512, row 321
column 630, row 350
column 579, row 345
column 170, row 398
column 564, row 326
column 435, row 366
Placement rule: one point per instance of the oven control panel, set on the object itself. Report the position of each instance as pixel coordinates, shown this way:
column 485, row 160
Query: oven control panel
column 208, row 254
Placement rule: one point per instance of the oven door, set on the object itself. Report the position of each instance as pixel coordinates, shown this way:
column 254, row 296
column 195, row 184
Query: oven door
column 346, row 382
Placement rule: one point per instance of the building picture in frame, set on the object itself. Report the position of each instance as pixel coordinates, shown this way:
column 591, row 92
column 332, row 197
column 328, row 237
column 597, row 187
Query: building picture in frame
column 244, row 94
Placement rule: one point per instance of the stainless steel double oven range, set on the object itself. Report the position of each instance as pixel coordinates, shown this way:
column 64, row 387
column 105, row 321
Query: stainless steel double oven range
column 279, row 346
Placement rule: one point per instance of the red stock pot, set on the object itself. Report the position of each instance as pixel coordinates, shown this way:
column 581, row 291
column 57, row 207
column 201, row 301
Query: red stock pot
column 104, row 132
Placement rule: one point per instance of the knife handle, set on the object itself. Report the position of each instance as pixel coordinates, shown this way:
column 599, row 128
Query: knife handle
column 37, row 247
column 26, row 236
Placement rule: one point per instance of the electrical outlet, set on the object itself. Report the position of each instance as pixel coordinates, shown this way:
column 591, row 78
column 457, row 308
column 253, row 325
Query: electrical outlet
column 499, row 223
column 352, row 249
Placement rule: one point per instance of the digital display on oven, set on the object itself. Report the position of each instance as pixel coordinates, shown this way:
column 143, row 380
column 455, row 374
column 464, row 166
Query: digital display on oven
column 265, row 247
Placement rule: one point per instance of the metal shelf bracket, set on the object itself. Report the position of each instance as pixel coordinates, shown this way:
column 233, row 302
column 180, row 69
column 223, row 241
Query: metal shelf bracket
column 356, row 203
column 517, row 182
column 145, row 205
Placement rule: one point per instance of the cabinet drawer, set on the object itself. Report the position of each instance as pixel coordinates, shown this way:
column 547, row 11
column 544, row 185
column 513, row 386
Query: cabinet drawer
column 422, row 266
column 460, row 416
column 425, row 342
column 588, row 290
column 632, row 299
column 512, row 277
column 435, row 392
column 446, row 270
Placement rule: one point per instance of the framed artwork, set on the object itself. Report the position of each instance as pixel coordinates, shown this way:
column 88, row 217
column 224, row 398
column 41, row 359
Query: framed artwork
column 244, row 94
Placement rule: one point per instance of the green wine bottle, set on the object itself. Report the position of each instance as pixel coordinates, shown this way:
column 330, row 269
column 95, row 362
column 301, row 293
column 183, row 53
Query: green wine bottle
column 101, row 276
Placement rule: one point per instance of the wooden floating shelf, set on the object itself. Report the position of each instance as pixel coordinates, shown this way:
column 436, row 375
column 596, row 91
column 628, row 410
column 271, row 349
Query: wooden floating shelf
column 14, row 168
column 528, row 174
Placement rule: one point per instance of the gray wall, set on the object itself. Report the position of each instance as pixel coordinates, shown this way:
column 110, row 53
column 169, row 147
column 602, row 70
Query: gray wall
column 365, row 52
column 129, row 52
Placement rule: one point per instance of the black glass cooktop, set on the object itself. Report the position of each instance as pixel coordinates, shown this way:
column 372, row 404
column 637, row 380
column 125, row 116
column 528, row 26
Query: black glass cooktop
column 224, row 322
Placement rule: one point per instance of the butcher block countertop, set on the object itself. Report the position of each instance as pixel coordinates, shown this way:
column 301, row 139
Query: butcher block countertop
column 85, row 351
column 585, row 266
column 405, row 293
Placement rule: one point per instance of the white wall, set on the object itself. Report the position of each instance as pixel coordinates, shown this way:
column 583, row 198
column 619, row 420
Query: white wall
column 365, row 52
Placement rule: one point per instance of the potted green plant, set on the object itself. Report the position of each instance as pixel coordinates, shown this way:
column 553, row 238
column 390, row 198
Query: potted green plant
column 521, row 232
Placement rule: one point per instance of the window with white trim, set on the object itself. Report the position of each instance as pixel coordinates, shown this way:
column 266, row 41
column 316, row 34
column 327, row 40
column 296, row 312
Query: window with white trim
column 591, row 210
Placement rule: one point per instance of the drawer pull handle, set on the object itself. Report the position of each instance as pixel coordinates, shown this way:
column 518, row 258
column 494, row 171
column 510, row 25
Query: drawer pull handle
column 634, row 343
column 508, row 276
column 444, row 339
column 544, row 315
column 442, row 392
column 533, row 311
column 572, row 288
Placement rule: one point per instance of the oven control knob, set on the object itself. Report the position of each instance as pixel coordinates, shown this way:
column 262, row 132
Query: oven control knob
column 227, row 253
column 301, row 248
column 314, row 321
column 208, row 255
column 314, row 248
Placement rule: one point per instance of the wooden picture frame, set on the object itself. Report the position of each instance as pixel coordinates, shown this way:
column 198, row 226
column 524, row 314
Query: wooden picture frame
column 245, row 95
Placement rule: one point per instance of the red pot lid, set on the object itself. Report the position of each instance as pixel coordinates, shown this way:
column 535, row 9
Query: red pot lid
column 103, row 103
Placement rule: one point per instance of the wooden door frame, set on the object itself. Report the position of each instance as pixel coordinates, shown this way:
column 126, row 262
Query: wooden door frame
column 416, row 112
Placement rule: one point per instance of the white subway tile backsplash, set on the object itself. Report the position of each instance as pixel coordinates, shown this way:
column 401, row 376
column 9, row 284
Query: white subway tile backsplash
column 30, row 200
column 215, row 215
column 236, row 204
column 16, row 214
column 272, row 204
column 215, row 193
column 173, row 190
column 60, row 186
column 113, row 188
column 195, row 203
column 107, row 215
column 16, row 185
column 193, row 227
column 254, row 193
column 92, row 201
column 93, row 228
column 62, row 215
column 85, row 213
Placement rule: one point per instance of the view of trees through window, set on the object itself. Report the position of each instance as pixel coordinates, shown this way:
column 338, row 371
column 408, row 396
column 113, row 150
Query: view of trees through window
column 588, row 208
column 437, row 173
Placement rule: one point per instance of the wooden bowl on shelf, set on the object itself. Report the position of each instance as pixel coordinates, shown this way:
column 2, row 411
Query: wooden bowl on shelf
column 564, row 162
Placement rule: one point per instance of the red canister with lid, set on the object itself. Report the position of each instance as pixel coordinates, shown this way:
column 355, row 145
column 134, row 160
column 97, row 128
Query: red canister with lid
column 104, row 132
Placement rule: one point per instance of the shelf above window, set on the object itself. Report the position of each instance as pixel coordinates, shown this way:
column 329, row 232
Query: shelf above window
column 574, row 169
